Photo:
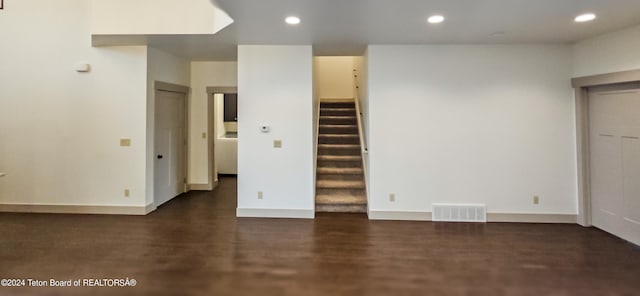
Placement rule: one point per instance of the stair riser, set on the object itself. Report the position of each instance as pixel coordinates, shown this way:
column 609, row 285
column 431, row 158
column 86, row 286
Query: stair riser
column 341, row 186
column 341, row 208
column 337, row 191
column 337, row 112
column 348, row 130
column 337, row 105
column 344, row 152
column 339, row 171
column 354, row 177
column 340, row 164
column 339, row 121
column 338, row 140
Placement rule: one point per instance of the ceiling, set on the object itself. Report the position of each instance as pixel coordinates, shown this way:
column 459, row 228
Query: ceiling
column 346, row 27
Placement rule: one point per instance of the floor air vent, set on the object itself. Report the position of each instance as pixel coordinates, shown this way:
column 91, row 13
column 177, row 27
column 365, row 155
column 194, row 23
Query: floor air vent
column 459, row 213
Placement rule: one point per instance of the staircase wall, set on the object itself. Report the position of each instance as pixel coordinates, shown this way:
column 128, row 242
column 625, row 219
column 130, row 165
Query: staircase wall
column 275, row 87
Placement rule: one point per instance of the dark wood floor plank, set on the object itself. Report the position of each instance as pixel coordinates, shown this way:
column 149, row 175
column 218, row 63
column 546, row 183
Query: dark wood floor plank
column 194, row 245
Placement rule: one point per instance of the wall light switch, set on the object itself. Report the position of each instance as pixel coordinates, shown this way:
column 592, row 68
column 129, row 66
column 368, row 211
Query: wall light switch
column 204, row 135
column 392, row 197
column 259, row 194
column 126, row 193
column 536, row 200
column 125, row 142
column 277, row 143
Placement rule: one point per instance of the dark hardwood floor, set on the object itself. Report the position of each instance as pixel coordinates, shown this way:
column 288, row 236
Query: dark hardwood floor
column 194, row 245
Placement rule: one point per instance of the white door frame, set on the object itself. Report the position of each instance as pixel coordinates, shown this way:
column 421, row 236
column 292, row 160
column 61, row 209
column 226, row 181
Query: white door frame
column 211, row 125
column 581, row 87
column 181, row 89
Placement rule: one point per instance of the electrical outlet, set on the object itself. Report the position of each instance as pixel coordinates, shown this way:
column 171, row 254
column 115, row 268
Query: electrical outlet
column 392, row 197
column 259, row 194
column 536, row 199
column 277, row 143
column 204, row 135
column 126, row 193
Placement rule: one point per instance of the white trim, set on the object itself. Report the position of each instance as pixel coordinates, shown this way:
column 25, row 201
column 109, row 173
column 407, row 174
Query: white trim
column 77, row 209
column 491, row 217
column 399, row 215
column 275, row 213
column 532, row 218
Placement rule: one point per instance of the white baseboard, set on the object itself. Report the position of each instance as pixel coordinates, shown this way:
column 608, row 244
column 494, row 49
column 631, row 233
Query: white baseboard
column 275, row 213
column 532, row 218
column 399, row 215
column 491, row 217
column 77, row 209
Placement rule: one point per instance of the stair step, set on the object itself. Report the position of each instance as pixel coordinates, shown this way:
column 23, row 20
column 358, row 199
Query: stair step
column 340, row 146
column 337, row 111
column 340, row 184
column 338, row 139
column 339, row 149
column 341, row 208
column 339, row 171
column 338, row 129
column 339, row 158
column 340, row 177
column 338, row 120
column 342, row 199
column 337, row 104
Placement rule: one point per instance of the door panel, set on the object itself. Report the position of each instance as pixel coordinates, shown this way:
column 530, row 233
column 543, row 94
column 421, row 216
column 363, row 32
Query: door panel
column 631, row 175
column 615, row 160
column 170, row 141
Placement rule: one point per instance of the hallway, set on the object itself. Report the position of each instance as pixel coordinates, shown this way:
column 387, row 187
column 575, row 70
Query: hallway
column 194, row 245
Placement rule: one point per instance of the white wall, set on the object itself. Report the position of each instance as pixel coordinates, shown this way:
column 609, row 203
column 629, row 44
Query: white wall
column 275, row 89
column 59, row 129
column 163, row 67
column 334, row 77
column 612, row 52
column 140, row 17
column 472, row 124
column 203, row 75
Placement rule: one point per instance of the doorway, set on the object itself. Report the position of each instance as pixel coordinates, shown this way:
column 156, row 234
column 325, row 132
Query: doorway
column 170, row 142
column 609, row 152
column 223, row 126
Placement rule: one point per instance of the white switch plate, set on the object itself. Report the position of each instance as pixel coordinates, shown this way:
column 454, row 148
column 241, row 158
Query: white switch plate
column 277, row 143
column 126, row 193
column 259, row 194
column 392, row 197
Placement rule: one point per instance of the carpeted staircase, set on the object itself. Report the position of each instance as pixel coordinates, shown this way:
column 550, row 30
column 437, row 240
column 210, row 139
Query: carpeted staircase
column 340, row 185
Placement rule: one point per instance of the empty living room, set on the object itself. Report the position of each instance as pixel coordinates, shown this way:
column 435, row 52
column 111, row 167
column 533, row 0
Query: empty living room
column 365, row 147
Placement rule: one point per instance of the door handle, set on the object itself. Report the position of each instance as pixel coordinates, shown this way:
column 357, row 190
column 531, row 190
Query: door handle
column 160, row 156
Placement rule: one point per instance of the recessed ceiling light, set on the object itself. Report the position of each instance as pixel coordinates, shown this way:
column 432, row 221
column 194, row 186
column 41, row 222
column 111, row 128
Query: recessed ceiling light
column 292, row 20
column 435, row 19
column 587, row 17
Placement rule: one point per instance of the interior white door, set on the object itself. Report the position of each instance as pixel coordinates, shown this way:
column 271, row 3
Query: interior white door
column 614, row 135
column 170, row 146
